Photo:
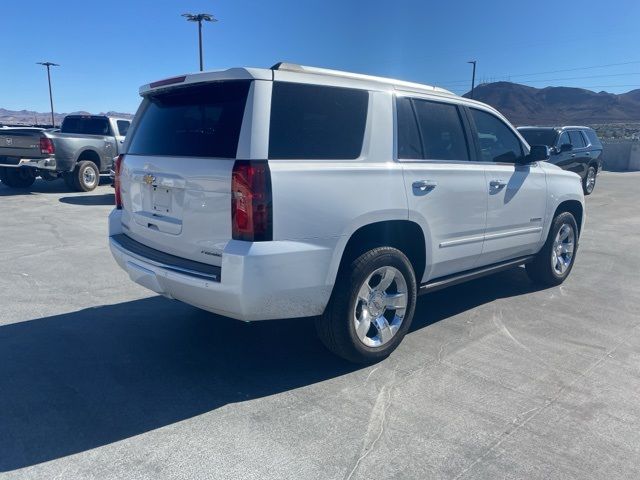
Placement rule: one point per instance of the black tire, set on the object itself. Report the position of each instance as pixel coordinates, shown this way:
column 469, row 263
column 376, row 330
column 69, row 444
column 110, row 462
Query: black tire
column 542, row 270
column 587, row 185
column 336, row 327
column 22, row 177
column 83, row 173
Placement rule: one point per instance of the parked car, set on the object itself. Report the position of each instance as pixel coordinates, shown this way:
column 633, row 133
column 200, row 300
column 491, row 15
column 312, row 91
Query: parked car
column 577, row 149
column 79, row 152
column 297, row 191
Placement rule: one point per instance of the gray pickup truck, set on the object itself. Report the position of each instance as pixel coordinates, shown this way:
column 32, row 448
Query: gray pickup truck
column 81, row 150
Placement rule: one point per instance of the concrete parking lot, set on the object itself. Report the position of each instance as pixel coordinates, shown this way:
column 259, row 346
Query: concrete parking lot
column 100, row 378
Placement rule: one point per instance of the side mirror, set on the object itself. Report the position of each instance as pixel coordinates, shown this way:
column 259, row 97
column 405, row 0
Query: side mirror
column 538, row 153
column 566, row 147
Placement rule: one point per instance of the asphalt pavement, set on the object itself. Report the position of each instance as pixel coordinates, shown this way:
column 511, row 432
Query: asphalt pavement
column 100, row 378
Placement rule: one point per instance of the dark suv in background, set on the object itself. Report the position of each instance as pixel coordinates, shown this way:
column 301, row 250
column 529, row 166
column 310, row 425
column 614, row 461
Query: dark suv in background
column 577, row 149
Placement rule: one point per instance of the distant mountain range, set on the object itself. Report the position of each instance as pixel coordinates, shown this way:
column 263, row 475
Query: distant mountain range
column 28, row 117
column 524, row 105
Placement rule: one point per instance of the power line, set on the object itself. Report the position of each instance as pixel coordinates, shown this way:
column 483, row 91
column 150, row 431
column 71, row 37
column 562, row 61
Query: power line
column 554, row 79
column 548, row 71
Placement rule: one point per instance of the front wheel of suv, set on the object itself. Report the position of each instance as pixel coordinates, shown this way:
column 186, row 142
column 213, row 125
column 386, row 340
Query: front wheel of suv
column 554, row 262
column 371, row 307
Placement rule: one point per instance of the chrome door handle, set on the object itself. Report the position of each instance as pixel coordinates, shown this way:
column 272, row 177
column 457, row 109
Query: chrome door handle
column 424, row 185
column 497, row 184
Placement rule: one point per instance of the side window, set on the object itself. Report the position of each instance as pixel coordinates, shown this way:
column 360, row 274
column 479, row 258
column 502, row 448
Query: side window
column 123, row 126
column 409, row 144
column 564, row 138
column 316, row 122
column 441, row 130
column 497, row 142
column 576, row 139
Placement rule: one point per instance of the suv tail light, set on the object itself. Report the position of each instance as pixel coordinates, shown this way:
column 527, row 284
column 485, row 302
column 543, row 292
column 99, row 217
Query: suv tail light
column 46, row 146
column 117, row 166
column 251, row 206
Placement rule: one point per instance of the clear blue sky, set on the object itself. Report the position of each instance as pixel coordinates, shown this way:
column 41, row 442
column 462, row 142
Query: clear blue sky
column 108, row 49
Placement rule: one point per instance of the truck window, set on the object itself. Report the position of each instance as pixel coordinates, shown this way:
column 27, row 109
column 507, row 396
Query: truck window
column 316, row 122
column 85, row 126
column 197, row 121
column 123, row 126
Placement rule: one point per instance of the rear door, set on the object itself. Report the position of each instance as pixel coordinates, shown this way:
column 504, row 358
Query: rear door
column 445, row 186
column 176, row 177
column 516, row 194
column 580, row 153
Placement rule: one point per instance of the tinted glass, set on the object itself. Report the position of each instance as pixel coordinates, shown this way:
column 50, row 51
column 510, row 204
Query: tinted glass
column 199, row 121
column 409, row 146
column 564, row 139
column 542, row 136
column 123, row 126
column 85, row 125
column 497, row 142
column 576, row 139
column 441, row 131
column 316, row 122
column 593, row 138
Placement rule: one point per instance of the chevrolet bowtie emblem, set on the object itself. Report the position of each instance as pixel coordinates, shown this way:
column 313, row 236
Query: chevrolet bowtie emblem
column 148, row 179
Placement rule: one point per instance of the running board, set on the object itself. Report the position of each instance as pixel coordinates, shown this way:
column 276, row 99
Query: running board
column 449, row 280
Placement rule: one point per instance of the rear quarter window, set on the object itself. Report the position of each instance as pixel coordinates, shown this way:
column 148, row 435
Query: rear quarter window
column 195, row 121
column 593, row 138
column 316, row 122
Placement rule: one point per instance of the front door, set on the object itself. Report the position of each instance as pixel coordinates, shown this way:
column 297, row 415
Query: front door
column 516, row 194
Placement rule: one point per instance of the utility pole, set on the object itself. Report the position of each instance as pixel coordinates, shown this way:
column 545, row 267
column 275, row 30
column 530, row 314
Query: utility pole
column 199, row 17
column 49, row 65
column 473, row 76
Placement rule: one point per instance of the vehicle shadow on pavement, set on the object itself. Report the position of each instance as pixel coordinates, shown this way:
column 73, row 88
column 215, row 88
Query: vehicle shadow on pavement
column 90, row 200
column 40, row 186
column 80, row 380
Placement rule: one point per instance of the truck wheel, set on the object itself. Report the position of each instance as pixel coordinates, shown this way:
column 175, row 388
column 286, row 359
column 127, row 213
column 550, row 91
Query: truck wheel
column 18, row 177
column 371, row 307
column 86, row 176
column 554, row 262
column 589, row 181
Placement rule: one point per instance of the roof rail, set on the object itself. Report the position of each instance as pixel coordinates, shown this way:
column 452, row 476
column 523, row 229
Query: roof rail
column 398, row 84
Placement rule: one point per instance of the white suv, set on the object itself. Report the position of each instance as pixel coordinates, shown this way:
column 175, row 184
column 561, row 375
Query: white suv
column 297, row 191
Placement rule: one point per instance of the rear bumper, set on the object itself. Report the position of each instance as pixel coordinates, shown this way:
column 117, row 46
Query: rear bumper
column 258, row 281
column 48, row 163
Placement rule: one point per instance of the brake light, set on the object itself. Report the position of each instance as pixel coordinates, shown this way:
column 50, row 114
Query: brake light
column 251, row 206
column 117, row 167
column 46, row 146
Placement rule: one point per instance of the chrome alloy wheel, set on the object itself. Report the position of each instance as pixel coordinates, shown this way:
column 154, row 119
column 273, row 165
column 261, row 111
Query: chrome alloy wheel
column 380, row 307
column 563, row 248
column 89, row 177
column 591, row 179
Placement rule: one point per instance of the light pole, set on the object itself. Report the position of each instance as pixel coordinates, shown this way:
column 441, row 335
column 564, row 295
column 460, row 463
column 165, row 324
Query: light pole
column 473, row 76
column 49, row 65
column 199, row 17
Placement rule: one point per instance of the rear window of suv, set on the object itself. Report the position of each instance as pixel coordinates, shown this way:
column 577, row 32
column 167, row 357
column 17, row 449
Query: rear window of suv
column 316, row 122
column 195, row 121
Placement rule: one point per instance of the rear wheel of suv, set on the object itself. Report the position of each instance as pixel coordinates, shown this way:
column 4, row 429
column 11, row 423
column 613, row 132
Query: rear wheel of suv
column 371, row 307
column 554, row 262
column 589, row 181
column 86, row 176
column 22, row 177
